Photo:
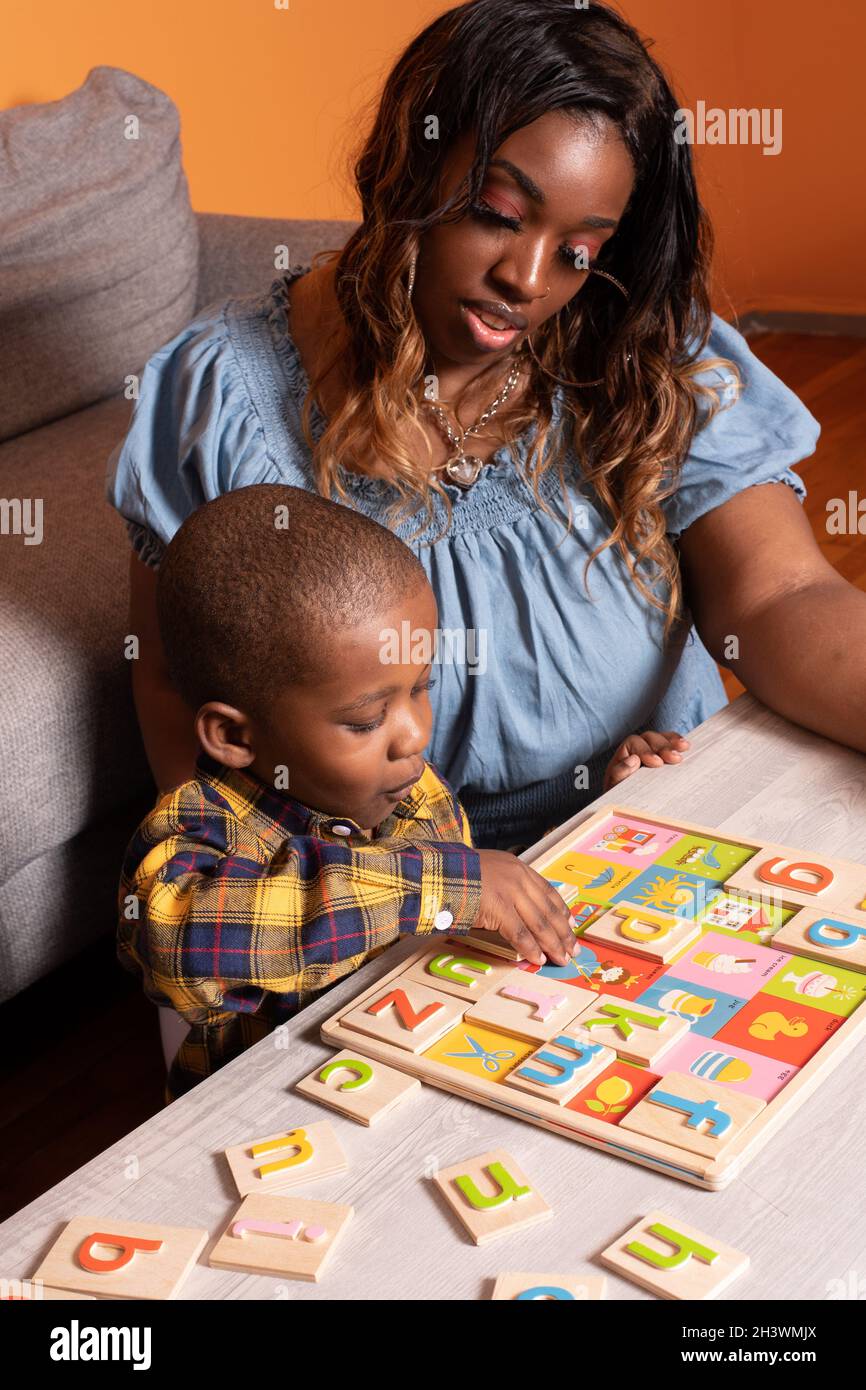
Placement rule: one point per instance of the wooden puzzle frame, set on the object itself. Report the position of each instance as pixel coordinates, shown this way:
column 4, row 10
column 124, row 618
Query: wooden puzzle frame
column 711, row 1174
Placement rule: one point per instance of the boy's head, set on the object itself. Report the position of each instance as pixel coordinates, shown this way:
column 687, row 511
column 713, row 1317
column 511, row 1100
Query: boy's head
column 275, row 609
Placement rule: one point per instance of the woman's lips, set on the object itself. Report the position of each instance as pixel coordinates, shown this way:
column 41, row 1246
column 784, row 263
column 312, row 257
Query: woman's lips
column 485, row 337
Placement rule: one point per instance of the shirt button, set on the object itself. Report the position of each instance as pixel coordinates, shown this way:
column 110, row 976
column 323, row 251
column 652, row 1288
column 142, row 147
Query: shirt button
column 443, row 920
column 341, row 829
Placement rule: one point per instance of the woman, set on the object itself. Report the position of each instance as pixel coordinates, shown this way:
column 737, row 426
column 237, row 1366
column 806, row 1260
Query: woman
column 513, row 363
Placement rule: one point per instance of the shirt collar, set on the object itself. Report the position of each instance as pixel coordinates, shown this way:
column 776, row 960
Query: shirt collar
column 283, row 815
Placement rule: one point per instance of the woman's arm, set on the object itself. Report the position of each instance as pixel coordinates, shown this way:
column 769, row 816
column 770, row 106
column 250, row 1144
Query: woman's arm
column 753, row 570
column 166, row 722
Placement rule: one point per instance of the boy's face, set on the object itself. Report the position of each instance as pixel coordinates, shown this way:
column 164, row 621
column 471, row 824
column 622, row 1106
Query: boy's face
column 353, row 744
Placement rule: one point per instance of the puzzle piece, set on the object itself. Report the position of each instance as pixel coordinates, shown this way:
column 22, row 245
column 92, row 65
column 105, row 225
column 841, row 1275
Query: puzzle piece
column 669, row 890
column 116, row 1258
column 614, row 1091
column 700, row 1116
column 288, row 1236
column 530, row 1007
column 747, row 917
column 627, row 840
column 464, row 972
column 407, row 1014
column 733, row 1067
column 635, row 1031
column 708, row 855
column 564, row 1287
column 706, row 1008
column 480, row 1052
column 490, row 942
column 718, row 961
column 779, row 1028
column 822, row 986
column 358, row 1086
column 595, row 879
column 491, row 1195
column 561, row 1068
column 824, row 936
column 674, row 1260
column 283, row 1160
column 656, row 935
column 798, row 877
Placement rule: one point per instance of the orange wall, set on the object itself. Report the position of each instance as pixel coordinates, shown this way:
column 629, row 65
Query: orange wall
column 272, row 101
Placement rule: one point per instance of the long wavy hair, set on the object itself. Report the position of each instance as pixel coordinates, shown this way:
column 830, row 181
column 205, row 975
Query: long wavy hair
column 491, row 67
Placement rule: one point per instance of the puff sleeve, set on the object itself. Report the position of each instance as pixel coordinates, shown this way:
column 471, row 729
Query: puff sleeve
column 752, row 439
column 194, row 434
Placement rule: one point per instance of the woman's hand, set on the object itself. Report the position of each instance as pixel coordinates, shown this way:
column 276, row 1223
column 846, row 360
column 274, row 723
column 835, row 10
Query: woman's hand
column 524, row 908
column 648, row 749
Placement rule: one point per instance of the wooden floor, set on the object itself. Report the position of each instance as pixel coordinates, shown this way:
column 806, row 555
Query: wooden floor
column 82, row 1063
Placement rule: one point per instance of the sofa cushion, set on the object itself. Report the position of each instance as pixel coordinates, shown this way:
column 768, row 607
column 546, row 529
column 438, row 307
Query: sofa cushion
column 70, row 750
column 63, row 900
column 98, row 245
column 237, row 254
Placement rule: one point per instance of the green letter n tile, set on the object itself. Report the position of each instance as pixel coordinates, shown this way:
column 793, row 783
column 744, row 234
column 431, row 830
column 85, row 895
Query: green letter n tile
column 446, row 968
column 683, row 1249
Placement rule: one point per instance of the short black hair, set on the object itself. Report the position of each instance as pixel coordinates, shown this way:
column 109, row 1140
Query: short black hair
column 257, row 584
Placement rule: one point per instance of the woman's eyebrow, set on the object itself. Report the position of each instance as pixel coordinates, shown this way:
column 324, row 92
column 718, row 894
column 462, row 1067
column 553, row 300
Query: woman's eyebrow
column 530, row 187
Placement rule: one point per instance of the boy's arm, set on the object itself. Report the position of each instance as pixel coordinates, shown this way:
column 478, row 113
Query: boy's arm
column 216, row 926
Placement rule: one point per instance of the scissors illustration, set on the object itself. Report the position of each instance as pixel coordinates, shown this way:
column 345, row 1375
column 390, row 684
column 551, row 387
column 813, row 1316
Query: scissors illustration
column 489, row 1060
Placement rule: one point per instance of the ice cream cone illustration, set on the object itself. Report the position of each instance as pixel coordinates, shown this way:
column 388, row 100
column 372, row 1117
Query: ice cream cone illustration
column 724, row 964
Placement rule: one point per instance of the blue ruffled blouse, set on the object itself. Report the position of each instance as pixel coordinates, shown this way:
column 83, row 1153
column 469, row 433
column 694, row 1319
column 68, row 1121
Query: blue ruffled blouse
column 553, row 679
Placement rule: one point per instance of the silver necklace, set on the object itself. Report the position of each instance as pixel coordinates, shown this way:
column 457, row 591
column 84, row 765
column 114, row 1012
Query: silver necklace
column 463, row 468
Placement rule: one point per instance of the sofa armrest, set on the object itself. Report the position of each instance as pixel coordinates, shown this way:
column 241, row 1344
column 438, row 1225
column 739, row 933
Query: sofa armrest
column 236, row 254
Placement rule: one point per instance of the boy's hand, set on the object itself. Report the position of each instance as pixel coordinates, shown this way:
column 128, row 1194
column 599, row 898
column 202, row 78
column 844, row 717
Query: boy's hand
column 648, row 750
column 524, row 908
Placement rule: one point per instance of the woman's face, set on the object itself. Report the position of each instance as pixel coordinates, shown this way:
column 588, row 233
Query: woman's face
column 561, row 187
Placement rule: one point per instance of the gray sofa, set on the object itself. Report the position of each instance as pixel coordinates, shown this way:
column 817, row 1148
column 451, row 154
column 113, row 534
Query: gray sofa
column 74, row 777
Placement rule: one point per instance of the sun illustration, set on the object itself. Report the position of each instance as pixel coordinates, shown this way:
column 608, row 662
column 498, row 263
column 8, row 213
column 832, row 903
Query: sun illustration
column 666, row 893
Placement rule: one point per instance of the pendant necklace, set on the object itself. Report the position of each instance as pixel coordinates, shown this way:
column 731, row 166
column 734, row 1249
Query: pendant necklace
column 462, row 468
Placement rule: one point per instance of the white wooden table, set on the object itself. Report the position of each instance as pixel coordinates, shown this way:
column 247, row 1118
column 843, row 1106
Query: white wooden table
column 799, row 1209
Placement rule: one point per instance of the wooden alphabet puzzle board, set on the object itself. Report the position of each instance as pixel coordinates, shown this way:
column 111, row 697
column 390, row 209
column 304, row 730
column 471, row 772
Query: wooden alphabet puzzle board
column 718, row 981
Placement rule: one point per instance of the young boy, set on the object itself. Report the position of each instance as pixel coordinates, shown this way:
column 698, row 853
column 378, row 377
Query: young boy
column 313, row 833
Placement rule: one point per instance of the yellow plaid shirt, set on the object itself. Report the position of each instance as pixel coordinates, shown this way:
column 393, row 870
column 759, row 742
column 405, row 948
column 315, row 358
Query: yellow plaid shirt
column 238, row 904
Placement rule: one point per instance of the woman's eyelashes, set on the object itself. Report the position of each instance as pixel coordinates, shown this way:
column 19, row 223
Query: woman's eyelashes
column 377, row 723
column 579, row 256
